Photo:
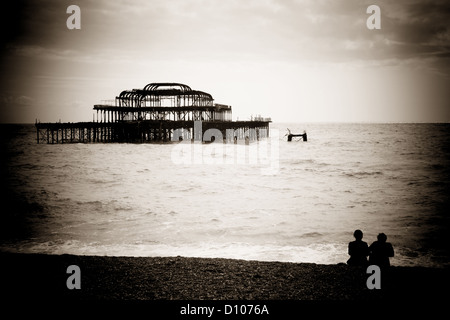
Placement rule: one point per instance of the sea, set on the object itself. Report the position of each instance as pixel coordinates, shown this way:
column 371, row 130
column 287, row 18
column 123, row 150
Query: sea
column 269, row 200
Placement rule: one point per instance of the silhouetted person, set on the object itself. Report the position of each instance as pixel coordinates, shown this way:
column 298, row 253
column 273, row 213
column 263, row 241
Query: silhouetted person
column 358, row 250
column 380, row 251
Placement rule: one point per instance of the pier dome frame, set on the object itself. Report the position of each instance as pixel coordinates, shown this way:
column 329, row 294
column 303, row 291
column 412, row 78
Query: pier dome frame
column 165, row 94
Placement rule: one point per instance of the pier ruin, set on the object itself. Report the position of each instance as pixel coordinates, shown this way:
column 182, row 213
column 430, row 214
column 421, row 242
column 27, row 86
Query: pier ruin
column 160, row 112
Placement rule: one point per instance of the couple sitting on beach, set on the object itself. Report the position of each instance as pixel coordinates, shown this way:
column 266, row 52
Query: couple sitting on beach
column 378, row 252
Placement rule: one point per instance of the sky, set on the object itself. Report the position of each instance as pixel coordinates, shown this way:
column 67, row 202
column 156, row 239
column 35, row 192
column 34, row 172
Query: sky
column 291, row 60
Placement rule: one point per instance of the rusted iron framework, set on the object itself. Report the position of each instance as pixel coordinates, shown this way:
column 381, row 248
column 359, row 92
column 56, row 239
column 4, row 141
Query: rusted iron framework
column 158, row 112
column 163, row 101
column 164, row 95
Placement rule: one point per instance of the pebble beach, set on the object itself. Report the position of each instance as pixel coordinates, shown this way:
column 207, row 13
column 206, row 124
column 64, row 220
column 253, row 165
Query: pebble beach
column 104, row 278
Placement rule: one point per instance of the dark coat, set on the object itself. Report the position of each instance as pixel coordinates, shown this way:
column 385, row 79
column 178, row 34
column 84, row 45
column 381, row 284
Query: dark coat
column 379, row 253
column 358, row 251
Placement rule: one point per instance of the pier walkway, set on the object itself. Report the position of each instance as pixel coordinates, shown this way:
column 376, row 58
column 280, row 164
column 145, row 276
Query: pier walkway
column 146, row 131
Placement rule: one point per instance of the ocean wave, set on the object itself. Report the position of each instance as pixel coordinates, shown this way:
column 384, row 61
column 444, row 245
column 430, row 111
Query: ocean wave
column 311, row 235
column 362, row 174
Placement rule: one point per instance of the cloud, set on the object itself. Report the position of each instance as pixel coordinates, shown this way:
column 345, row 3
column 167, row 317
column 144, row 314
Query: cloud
column 23, row 101
column 418, row 27
column 13, row 108
column 287, row 30
column 18, row 101
column 264, row 43
column 40, row 52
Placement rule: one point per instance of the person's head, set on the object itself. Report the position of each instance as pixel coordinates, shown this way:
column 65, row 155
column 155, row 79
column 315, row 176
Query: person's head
column 382, row 237
column 358, row 234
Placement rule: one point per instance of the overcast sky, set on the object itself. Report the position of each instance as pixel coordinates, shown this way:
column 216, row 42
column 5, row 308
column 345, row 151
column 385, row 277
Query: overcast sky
column 296, row 61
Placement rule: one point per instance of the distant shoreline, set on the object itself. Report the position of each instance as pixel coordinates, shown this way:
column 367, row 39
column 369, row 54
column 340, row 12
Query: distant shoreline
column 41, row 276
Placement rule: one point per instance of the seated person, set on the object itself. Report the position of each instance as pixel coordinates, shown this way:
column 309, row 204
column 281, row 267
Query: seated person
column 358, row 250
column 380, row 251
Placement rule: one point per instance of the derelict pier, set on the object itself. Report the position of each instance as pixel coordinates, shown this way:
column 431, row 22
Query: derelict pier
column 160, row 112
